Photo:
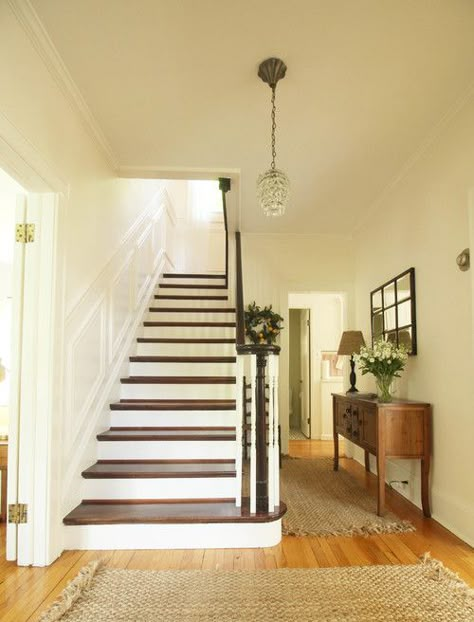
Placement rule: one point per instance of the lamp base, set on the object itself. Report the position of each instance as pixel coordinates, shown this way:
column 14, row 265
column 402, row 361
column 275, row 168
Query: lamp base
column 352, row 377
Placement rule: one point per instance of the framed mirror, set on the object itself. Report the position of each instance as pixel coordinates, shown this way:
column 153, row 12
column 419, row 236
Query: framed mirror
column 393, row 311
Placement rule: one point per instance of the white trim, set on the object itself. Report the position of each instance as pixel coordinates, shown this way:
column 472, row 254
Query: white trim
column 33, row 27
column 171, row 172
column 24, row 163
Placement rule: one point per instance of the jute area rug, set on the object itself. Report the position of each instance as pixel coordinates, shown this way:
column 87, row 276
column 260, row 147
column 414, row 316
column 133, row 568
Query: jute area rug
column 425, row 592
column 323, row 502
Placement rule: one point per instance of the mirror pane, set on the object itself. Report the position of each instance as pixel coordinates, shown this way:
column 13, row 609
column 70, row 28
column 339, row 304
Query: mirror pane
column 391, row 336
column 404, row 313
column 377, row 301
column 403, row 288
column 389, row 319
column 405, row 338
column 377, row 325
column 389, row 295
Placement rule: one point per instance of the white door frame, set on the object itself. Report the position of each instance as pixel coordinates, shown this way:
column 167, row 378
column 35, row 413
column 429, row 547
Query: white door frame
column 35, row 453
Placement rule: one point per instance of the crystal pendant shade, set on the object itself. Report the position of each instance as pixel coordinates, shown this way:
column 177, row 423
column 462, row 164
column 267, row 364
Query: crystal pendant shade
column 273, row 192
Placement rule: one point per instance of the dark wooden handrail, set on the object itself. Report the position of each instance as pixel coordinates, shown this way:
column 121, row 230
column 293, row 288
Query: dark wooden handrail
column 239, row 293
column 224, row 187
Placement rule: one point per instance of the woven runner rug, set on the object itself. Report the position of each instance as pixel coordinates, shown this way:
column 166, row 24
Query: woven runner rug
column 424, row 592
column 323, row 502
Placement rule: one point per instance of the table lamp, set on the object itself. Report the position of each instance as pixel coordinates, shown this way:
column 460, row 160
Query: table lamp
column 351, row 343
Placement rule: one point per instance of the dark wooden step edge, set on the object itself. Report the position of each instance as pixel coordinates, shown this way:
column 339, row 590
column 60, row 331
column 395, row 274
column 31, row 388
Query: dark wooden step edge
column 165, row 405
column 104, row 437
column 182, row 359
column 131, row 474
column 154, row 501
column 174, row 428
column 171, row 461
column 192, row 324
column 199, row 297
column 178, row 380
column 245, row 516
column 182, row 340
column 192, row 310
column 169, row 275
column 190, row 286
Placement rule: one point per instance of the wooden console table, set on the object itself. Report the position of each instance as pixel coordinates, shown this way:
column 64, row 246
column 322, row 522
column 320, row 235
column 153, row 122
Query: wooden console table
column 400, row 429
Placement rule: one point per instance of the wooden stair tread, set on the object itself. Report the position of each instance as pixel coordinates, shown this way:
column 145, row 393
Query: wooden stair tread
column 191, row 286
column 138, row 470
column 181, row 275
column 197, row 511
column 190, row 324
column 182, row 359
column 173, row 405
column 229, row 310
column 198, row 297
column 166, row 434
column 178, row 380
column 183, row 340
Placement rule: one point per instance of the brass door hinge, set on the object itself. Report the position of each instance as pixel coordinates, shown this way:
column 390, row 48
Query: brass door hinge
column 25, row 233
column 18, row 513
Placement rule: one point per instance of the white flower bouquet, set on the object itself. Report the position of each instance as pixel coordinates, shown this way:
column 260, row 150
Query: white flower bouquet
column 385, row 361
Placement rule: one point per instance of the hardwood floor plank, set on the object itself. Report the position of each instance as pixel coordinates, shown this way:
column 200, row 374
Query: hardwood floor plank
column 26, row 592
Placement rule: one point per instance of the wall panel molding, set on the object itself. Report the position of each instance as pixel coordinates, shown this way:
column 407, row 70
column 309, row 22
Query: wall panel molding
column 100, row 333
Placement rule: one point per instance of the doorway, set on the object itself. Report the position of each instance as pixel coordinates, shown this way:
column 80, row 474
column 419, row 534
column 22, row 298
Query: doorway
column 300, row 374
column 316, row 323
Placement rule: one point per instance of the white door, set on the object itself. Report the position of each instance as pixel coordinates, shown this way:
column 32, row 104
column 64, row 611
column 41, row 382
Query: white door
column 16, row 367
column 33, row 382
column 305, row 382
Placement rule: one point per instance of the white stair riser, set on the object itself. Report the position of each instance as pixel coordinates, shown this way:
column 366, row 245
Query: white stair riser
column 180, row 316
column 189, row 281
column 185, row 303
column 167, row 418
column 185, row 349
column 191, row 291
column 178, row 391
column 180, row 536
column 165, row 450
column 160, row 488
column 192, row 332
column 182, row 369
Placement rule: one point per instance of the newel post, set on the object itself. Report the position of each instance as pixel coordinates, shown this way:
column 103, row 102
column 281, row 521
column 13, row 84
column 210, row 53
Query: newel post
column 262, row 461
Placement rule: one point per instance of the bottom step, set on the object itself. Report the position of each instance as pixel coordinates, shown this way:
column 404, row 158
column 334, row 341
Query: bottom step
column 164, row 525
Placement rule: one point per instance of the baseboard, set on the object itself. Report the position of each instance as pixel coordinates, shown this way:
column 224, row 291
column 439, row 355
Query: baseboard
column 444, row 507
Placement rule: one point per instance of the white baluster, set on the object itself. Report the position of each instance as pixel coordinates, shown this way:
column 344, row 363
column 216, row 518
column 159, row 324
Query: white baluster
column 276, row 446
column 253, row 435
column 239, row 406
column 271, row 435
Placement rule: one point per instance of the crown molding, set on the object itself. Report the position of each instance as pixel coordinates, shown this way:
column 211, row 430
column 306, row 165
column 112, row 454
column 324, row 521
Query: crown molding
column 170, row 172
column 24, row 163
column 36, row 32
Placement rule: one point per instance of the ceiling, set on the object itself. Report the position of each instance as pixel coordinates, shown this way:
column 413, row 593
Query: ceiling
column 173, row 84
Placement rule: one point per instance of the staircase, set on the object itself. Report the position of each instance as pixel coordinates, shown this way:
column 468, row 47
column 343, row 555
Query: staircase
column 166, row 470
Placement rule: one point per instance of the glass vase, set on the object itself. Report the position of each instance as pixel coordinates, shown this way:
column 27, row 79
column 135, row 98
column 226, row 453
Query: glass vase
column 384, row 388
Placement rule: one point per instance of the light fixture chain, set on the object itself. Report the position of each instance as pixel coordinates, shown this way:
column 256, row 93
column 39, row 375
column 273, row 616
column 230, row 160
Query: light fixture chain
column 273, row 127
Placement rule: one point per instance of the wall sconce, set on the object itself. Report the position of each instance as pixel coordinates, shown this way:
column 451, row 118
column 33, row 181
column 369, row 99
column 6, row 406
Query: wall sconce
column 464, row 260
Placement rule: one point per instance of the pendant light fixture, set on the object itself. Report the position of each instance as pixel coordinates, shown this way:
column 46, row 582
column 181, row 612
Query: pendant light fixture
column 273, row 186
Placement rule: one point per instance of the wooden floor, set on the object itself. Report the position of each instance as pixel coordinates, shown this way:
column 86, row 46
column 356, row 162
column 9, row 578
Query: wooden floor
column 25, row 592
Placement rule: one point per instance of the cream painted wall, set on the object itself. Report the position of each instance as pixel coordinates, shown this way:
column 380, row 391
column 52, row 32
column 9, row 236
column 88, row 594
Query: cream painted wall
column 100, row 207
column 424, row 222
column 275, row 265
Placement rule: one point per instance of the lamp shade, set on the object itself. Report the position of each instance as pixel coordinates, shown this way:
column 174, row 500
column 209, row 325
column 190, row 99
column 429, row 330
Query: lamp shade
column 351, row 342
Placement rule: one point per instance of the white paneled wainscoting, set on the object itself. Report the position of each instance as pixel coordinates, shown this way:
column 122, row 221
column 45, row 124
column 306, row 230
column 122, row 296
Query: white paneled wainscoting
column 99, row 332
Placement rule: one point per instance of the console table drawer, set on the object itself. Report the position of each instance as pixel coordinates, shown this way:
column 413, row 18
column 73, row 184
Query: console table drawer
column 368, row 428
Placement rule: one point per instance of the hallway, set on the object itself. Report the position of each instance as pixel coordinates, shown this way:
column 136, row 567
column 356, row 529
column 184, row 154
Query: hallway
column 26, row 592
